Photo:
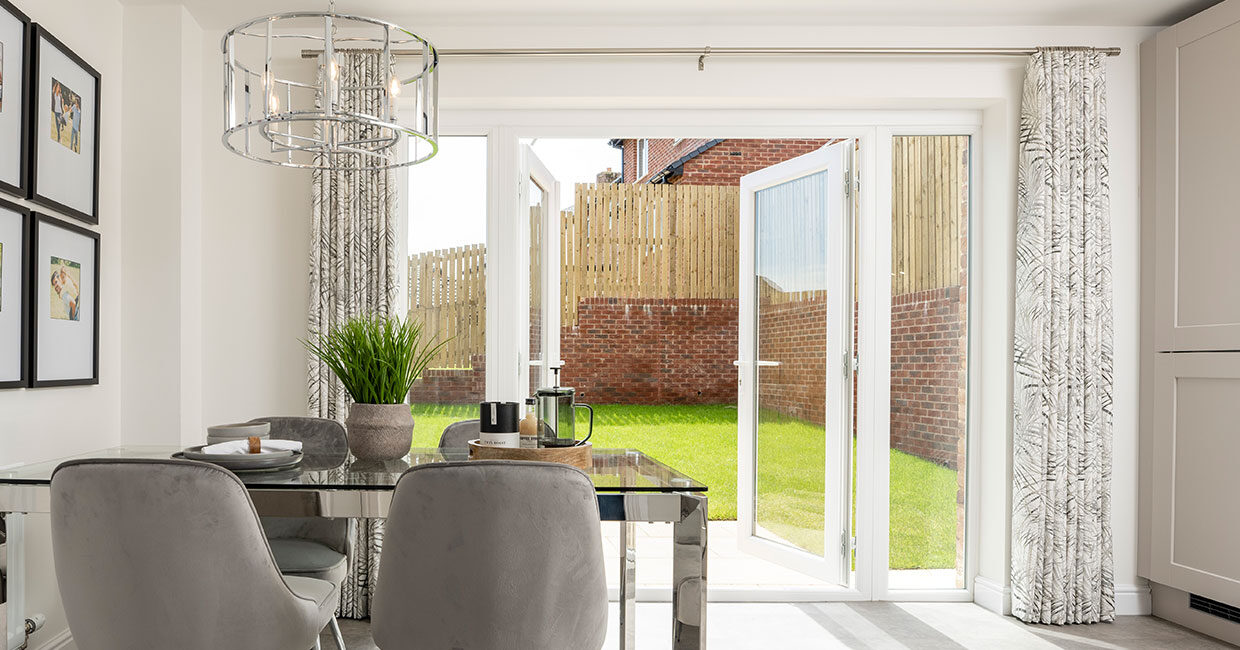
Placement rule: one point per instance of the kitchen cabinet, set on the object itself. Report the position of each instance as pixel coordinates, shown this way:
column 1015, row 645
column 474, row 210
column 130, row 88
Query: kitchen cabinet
column 1190, row 323
column 1196, row 155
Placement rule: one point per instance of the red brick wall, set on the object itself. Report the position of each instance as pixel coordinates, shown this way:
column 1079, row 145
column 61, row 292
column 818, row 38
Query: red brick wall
column 928, row 374
column 635, row 351
column 722, row 164
column 452, row 385
column 795, row 335
column 661, row 152
column 927, row 369
column 726, row 162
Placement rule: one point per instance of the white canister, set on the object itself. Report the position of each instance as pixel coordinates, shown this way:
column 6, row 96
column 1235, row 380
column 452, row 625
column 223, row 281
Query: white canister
column 500, row 439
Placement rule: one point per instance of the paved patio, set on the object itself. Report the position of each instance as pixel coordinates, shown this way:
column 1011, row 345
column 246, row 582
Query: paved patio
column 733, row 574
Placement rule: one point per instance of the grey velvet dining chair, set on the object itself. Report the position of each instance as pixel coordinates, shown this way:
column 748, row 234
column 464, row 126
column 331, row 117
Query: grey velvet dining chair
column 170, row 554
column 489, row 554
column 454, row 441
column 311, row 547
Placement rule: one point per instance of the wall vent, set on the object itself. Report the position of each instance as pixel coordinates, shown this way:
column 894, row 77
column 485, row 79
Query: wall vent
column 1214, row 608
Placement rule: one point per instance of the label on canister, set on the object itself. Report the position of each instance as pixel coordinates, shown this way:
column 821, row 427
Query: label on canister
column 490, row 439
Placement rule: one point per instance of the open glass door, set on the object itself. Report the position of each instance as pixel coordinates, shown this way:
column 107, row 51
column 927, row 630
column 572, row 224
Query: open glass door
column 540, row 209
column 795, row 363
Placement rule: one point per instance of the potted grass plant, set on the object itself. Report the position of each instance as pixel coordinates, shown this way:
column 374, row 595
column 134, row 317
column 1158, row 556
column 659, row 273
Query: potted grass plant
column 377, row 359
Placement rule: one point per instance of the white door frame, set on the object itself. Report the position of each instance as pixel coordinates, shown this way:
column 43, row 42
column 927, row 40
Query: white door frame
column 505, row 128
column 880, row 293
column 534, row 171
column 834, row 565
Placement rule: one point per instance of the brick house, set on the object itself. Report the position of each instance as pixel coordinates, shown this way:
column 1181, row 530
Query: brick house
column 699, row 161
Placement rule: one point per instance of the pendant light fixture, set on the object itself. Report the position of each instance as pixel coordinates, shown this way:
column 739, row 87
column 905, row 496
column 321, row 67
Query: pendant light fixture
column 281, row 110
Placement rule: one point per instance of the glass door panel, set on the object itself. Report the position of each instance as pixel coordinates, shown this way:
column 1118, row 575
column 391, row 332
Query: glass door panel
column 539, row 201
column 794, row 408
column 791, row 276
column 929, row 360
column 447, row 279
column 539, row 351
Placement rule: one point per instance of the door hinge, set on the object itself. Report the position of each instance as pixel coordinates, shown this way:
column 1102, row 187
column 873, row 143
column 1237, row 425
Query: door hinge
column 851, row 363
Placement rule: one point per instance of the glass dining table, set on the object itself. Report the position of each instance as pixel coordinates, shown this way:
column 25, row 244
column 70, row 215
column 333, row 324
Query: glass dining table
column 631, row 486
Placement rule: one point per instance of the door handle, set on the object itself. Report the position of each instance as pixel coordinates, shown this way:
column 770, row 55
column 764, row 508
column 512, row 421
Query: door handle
column 760, row 364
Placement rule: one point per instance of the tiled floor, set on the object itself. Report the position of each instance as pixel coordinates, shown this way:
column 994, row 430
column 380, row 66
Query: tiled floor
column 866, row 626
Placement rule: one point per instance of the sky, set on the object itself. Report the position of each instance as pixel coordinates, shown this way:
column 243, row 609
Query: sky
column 448, row 193
column 575, row 161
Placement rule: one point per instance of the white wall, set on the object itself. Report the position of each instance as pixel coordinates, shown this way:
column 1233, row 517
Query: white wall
column 255, row 260
column 48, row 423
column 256, row 223
column 162, row 265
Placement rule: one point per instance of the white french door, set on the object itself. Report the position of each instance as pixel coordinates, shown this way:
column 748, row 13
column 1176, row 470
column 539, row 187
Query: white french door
column 796, row 363
column 539, row 218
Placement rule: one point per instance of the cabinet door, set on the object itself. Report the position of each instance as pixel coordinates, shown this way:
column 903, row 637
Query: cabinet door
column 1196, row 444
column 1197, row 305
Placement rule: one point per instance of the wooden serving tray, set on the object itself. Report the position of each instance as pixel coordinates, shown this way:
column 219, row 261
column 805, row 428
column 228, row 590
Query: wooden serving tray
column 581, row 456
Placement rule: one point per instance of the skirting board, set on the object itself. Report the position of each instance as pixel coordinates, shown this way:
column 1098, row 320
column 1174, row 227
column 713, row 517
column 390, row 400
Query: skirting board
column 1133, row 600
column 993, row 596
column 1130, row 600
column 1172, row 604
column 59, row 642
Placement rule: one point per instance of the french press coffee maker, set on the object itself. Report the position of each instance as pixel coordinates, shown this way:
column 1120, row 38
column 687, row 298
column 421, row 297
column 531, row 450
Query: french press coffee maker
column 557, row 414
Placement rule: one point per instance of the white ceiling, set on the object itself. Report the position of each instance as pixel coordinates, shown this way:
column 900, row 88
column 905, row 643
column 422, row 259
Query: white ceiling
column 224, row 13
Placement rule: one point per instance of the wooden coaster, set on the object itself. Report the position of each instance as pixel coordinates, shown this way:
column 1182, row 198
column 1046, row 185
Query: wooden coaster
column 580, row 456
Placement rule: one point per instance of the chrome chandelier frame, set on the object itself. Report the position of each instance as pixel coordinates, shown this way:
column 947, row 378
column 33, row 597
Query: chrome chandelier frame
column 299, row 122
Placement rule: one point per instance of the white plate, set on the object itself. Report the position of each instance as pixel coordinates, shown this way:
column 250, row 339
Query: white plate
column 241, row 462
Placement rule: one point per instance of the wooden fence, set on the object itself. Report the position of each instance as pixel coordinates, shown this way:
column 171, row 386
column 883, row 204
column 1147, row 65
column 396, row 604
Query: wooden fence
column 929, row 209
column 681, row 241
column 447, row 292
column 648, row 241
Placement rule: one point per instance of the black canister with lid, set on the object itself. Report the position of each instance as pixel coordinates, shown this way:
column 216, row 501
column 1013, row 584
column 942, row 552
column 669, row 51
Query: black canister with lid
column 499, row 424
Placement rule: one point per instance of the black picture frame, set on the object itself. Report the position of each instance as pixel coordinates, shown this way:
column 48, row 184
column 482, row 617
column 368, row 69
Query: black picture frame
column 37, row 35
column 24, row 318
column 33, row 277
column 21, row 189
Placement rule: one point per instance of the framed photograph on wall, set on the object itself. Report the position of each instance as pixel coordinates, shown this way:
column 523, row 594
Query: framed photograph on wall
column 64, row 137
column 63, row 273
column 14, row 100
column 14, row 295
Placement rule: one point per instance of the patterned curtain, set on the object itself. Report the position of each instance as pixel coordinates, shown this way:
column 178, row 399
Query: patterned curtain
column 352, row 271
column 1061, row 480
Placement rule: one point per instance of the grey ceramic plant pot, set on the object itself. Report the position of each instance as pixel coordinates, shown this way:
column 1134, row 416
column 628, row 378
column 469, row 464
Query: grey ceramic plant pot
column 379, row 431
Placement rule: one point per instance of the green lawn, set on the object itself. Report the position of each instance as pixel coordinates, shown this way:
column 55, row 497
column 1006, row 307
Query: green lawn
column 701, row 441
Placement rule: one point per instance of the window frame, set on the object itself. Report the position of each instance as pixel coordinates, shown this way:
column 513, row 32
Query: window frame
column 505, row 128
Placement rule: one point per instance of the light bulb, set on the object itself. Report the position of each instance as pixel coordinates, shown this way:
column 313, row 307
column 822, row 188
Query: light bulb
column 395, row 86
column 274, row 103
column 335, row 70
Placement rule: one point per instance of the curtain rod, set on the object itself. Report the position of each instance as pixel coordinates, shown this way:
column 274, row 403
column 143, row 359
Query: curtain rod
column 703, row 53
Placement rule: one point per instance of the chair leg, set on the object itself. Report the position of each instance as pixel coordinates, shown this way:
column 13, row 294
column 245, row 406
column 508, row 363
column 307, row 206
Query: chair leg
column 336, row 636
column 317, row 644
